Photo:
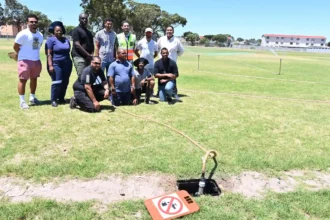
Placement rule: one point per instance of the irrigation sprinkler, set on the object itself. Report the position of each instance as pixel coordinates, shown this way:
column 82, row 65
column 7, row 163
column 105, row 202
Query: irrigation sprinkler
column 279, row 73
column 198, row 61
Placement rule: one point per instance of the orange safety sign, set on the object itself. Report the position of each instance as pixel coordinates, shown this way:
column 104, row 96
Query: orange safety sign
column 171, row 206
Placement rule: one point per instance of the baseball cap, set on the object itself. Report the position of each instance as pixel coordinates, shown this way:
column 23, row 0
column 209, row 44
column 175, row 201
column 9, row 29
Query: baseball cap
column 148, row 30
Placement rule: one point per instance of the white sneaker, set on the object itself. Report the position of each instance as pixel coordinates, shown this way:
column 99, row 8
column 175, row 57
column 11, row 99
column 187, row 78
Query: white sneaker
column 23, row 105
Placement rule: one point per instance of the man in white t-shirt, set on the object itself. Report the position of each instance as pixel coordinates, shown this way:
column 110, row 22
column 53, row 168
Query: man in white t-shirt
column 148, row 49
column 174, row 47
column 27, row 46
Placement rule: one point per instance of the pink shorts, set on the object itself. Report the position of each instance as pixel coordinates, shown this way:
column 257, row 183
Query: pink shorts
column 29, row 69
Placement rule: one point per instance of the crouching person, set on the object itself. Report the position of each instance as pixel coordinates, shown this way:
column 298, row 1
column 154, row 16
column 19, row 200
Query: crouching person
column 144, row 81
column 121, row 80
column 87, row 91
column 166, row 71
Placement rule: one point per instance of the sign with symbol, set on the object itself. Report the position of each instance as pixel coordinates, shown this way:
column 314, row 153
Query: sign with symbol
column 171, row 206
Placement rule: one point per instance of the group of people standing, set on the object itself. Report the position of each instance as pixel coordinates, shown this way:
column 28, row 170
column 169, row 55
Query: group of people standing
column 108, row 53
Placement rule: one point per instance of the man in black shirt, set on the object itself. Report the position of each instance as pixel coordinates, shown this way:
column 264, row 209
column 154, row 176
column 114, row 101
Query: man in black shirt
column 87, row 91
column 166, row 71
column 83, row 45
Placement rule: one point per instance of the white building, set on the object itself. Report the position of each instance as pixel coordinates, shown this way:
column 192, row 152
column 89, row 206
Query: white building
column 301, row 41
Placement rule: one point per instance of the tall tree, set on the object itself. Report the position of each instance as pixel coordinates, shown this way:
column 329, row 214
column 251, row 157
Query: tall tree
column 192, row 37
column 142, row 16
column 166, row 19
column 98, row 10
column 69, row 29
column 2, row 15
column 239, row 39
column 209, row 36
column 220, row 38
column 185, row 34
column 15, row 13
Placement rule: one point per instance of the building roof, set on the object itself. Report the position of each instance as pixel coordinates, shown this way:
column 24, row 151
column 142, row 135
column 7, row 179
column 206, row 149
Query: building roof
column 294, row 36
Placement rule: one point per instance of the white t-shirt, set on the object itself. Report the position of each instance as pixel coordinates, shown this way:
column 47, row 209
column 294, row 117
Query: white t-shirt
column 148, row 50
column 30, row 45
column 139, row 77
column 173, row 45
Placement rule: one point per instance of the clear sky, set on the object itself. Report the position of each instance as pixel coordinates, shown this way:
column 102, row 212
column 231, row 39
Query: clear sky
column 240, row 18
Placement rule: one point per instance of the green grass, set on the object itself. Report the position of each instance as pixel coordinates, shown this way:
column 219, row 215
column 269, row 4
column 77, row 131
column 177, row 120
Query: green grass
column 261, row 132
column 298, row 205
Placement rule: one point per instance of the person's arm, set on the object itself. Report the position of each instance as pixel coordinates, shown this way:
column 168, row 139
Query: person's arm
column 80, row 49
column 49, row 46
column 137, row 48
column 97, row 48
column 104, row 84
column 156, row 50
column 18, row 42
column 180, row 48
column 136, row 51
column 115, row 48
column 111, row 75
column 133, row 90
column 175, row 70
column 90, row 94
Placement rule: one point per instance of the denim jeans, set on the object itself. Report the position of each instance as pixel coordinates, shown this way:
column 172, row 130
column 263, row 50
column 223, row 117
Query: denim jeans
column 166, row 90
column 105, row 66
column 80, row 64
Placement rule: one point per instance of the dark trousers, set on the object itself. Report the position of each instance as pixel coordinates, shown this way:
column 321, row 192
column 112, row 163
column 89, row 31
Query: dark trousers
column 83, row 100
column 60, row 79
column 121, row 98
column 80, row 64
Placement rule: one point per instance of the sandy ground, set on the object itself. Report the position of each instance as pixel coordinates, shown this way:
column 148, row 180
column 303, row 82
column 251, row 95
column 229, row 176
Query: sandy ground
column 117, row 188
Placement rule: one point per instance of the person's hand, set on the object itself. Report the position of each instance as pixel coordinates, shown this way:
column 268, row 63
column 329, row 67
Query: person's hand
column 143, row 82
column 172, row 76
column 97, row 105
column 51, row 70
column 135, row 101
column 106, row 94
column 163, row 81
column 113, row 92
column 89, row 58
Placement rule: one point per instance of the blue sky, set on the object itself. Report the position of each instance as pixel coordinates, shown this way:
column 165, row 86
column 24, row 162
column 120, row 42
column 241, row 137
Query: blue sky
column 240, row 18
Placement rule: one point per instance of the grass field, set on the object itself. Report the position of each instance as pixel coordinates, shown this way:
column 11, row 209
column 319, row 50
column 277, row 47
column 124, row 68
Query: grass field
column 236, row 104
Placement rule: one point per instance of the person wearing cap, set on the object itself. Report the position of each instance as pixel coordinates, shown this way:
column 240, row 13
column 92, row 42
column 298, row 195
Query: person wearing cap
column 105, row 41
column 142, row 78
column 174, row 47
column 127, row 40
column 59, row 63
column 147, row 48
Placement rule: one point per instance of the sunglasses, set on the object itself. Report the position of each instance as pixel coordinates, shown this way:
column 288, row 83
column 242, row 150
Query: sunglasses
column 97, row 63
column 33, row 22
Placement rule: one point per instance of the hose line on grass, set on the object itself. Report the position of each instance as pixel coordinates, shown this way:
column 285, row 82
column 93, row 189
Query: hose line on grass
column 209, row 154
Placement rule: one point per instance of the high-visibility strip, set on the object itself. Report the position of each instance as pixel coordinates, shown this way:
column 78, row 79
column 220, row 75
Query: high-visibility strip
column 57, row 82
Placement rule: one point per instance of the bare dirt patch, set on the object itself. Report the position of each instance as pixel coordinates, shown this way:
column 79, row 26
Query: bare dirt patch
column 256, row 185
column 110, row 189
column 105, row 190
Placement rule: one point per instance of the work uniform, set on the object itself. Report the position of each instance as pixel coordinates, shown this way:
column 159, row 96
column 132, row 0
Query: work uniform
column 127, row 43
column 89, row 77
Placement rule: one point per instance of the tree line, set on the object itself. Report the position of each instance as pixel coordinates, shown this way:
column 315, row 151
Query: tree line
column 139, row 15
column 15, row 13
